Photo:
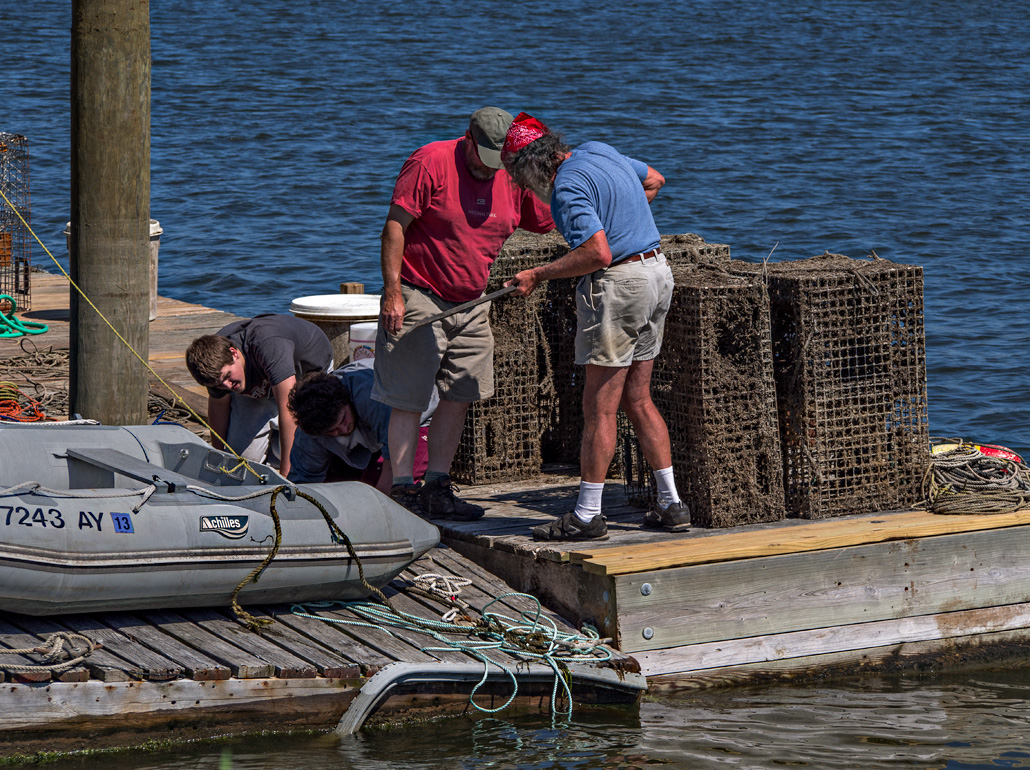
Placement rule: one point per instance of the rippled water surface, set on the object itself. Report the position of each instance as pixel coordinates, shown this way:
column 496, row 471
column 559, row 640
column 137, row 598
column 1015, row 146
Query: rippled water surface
column 842, row 125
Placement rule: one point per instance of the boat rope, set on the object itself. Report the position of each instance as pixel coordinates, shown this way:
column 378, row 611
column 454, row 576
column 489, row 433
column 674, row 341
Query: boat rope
column 35, row 488
column 966, row 481
column 338, row 536
column 53, row 647
column 531, row 636
column 12, row 326
column 443, row 588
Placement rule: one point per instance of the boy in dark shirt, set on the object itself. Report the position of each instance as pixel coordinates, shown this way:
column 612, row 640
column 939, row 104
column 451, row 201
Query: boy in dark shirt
column 248, row 369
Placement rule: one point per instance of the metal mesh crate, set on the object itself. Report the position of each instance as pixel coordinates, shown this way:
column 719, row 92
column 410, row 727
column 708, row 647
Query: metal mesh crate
column 15, row 241
column 713, row 384
column 501, row 439
column 849, row 355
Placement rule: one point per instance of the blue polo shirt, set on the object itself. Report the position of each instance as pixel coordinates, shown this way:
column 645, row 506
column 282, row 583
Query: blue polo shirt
column 598, row 188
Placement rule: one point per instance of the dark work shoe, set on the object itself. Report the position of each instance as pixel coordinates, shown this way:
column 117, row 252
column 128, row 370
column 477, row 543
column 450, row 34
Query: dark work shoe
column 440, row 502
column 675, row 518
column 408, row 495
column 569, row 527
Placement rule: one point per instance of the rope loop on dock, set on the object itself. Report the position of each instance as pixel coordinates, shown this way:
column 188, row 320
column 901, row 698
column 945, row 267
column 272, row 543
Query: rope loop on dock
column 966, row 481
column 53, row 647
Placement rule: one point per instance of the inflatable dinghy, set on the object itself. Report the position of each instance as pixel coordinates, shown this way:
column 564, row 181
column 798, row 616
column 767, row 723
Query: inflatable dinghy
column 100, row 518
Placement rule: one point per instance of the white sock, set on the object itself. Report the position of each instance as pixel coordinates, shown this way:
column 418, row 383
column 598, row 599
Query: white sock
column 589, row 504
column 667, row 494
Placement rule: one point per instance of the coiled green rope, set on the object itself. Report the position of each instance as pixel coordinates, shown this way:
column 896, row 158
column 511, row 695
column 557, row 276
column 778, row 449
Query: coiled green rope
column 10, row 326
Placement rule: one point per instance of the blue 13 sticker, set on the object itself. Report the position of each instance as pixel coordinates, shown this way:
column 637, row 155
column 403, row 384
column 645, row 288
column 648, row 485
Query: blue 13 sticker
column 122, row 522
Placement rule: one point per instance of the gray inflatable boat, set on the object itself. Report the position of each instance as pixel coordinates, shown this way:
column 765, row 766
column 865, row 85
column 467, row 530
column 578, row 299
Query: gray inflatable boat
column 120, row 518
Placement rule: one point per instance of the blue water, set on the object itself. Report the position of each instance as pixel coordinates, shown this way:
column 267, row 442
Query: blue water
column 844, row 125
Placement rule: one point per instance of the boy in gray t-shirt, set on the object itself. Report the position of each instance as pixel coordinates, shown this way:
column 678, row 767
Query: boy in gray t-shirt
column 248, row 368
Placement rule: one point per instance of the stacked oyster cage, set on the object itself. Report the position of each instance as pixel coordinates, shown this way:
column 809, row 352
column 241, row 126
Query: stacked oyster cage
column 501, row 439
column 850, row 361
column 713, row 384
column 15, row 241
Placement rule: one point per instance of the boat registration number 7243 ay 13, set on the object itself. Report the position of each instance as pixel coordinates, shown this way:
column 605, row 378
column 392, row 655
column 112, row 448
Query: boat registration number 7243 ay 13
column 55, row 519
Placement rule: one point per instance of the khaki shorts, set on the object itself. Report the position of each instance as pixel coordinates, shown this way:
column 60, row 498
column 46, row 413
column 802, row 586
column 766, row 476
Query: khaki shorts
column 455, row 354
column 621, row 312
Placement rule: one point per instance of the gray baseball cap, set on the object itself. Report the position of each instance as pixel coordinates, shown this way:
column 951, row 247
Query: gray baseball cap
column 489, row 126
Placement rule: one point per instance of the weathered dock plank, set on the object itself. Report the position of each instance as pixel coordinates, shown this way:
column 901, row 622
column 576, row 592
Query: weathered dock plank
column 822, row 589
column 242, row 664
column 794, row 537
column 150, row 665
column 195, row 665
column 285, row 665
column 101, row 664
column 326, row 661
column 845, row 642
column 366, row 659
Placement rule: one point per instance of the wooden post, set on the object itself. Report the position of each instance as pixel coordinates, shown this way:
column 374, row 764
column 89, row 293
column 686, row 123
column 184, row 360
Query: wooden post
column 110, row 208
column 352, row 288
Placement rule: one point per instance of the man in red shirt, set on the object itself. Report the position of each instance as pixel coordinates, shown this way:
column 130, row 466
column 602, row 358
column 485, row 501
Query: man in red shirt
column 452, row 208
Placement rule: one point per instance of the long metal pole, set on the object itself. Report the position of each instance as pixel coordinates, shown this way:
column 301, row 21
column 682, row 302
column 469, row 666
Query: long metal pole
column 110, row 208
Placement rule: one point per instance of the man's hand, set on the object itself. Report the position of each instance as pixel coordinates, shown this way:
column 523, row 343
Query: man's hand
column 526, row 281
column 392, row 314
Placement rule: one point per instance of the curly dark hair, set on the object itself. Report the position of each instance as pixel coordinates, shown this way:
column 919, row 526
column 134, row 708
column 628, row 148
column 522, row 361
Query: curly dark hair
column 316, row 402
column 533, row 167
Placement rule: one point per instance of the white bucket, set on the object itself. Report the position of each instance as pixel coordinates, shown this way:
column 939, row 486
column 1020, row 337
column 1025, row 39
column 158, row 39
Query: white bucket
column 363, row 340
column 335, row 314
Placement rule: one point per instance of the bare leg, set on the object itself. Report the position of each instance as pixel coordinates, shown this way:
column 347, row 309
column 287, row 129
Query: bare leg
column 444, row 435
column 650, row 427
column 601, row 397
column 403, row 438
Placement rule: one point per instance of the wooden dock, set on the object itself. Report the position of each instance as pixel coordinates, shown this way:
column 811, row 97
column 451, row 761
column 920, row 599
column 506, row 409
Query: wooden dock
column 188, row 674
column 785, row 599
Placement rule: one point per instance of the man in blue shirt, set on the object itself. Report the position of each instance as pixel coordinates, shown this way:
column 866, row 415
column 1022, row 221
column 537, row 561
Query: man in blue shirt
column 600, row 201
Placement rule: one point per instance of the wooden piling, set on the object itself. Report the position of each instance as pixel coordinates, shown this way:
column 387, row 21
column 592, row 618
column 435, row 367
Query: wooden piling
column 110, row 208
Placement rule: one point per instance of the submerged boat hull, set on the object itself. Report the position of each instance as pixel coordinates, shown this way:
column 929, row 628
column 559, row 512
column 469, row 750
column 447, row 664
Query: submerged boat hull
column 99, row 518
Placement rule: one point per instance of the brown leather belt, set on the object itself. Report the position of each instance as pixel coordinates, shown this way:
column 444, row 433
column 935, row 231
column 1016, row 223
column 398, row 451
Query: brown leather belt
column 640, row 256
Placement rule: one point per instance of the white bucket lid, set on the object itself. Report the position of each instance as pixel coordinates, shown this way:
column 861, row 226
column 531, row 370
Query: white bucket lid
column 337, row 305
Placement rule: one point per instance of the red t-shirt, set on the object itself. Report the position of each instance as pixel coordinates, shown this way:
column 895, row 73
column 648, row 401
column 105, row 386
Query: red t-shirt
column 460, row 222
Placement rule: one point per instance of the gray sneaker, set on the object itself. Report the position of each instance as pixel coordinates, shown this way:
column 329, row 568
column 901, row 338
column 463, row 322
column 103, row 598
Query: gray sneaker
column 440, row 502
column 675, row 518
column 569, row 527
column 408, row 495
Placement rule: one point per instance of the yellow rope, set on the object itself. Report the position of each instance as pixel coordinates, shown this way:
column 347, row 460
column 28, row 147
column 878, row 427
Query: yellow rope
column 177, row 399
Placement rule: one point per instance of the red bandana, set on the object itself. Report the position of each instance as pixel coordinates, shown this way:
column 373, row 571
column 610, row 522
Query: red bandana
column 524, row 129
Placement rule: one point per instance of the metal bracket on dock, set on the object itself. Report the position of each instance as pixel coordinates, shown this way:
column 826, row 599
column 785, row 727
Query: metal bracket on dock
column 377, row 689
